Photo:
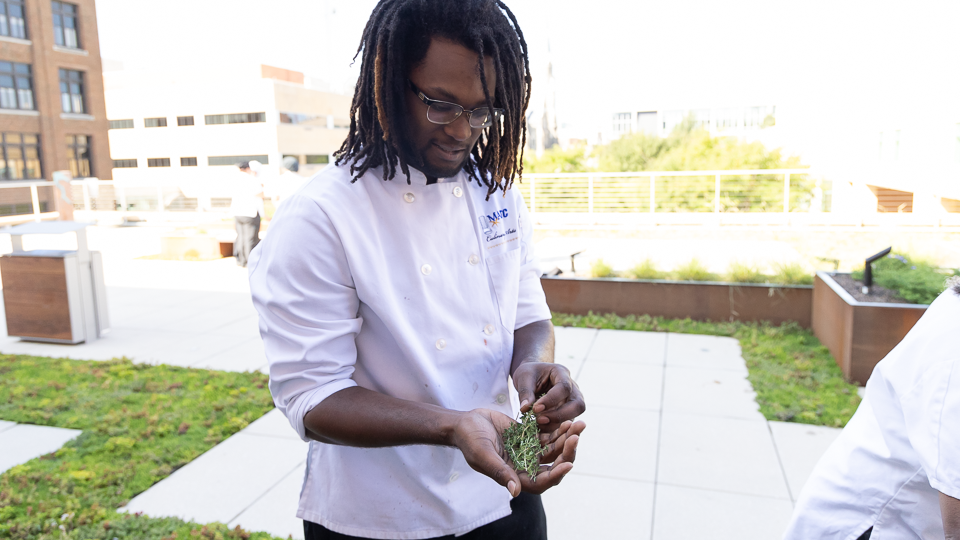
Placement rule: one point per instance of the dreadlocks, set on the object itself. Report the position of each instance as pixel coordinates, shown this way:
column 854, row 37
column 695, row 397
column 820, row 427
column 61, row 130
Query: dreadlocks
column 394, row 41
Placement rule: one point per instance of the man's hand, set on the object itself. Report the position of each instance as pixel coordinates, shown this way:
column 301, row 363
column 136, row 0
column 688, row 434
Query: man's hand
column 479, row 435
column 562, row 400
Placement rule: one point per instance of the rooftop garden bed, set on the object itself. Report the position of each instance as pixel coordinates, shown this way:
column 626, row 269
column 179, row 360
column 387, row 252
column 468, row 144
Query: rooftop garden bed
column 140, row 423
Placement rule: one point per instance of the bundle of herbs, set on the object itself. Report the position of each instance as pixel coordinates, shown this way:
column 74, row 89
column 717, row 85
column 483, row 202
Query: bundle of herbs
column 522, row 441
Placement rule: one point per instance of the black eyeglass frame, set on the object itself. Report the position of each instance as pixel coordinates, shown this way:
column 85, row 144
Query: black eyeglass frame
column 497, row 113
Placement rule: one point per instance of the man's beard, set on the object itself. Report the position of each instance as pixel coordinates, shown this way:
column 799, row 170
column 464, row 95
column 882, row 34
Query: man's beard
column 417, row 159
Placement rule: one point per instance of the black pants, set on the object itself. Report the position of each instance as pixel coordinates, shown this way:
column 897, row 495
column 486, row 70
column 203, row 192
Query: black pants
column 527, row 522
column 248, row 236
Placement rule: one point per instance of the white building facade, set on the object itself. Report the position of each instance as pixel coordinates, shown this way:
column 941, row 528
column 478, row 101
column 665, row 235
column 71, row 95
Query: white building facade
column 187, row 131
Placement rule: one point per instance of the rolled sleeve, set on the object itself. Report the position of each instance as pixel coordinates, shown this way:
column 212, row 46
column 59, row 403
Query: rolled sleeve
column 305, row 296
column 531, row 301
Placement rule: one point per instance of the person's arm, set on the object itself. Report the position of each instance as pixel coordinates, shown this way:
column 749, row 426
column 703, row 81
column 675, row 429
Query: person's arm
column 950, row 513
column 358, row 416
column 535, row 374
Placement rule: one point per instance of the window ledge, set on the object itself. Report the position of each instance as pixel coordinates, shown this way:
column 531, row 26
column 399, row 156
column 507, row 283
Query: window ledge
column 70, row 50
column 20, row 112
column 75, row 116
column 9, row 39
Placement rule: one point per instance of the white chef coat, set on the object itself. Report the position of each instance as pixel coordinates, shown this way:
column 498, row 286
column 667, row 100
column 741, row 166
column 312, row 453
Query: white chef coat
column 413, row 291
column 246, row 200
column 900, row 448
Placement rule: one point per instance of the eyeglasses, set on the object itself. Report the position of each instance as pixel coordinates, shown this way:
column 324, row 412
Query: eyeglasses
column 444, row 112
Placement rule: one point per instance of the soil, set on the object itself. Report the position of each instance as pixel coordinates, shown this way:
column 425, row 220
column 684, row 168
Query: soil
column 877, row 293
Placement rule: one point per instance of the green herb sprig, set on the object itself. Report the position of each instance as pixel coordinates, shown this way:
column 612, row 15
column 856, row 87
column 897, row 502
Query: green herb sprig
column 522, row 442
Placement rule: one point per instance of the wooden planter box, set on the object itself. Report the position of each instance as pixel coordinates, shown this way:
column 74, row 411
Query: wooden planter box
column 858, row 334
column 680, row 299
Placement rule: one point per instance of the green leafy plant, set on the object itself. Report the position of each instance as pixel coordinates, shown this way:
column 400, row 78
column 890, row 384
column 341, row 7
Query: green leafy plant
column 795, row 377
column 916, row 281
column 139, row 422
column 600, row 269
column 645, row 270
column 694, row 271
column 522, row 442
column 792, row 274
column 739, row 272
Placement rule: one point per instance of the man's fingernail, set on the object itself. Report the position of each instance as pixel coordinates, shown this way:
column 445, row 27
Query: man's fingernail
column 511, row 487
column 524, row 403
column 539, row 407
column 543, row 420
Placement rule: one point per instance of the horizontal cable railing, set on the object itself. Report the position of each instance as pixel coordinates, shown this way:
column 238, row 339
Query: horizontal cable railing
column 730, row 191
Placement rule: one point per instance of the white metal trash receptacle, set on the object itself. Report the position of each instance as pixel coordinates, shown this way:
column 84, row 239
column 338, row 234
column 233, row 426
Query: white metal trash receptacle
column 52, row 295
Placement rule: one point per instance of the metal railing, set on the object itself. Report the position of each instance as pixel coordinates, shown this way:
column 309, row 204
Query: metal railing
column 754, row 190
column 37, row 210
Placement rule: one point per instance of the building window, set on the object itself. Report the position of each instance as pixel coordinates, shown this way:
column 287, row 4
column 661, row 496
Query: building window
column 20, row 156
column 16, row 86
column 65, row 25
column 155, row 122
column 188, row 162
column 121, row 124
column 184, row 120
column 622, row 123
column 78, row 154
column 125, row 164
column 241, row 118
column 158, row 162
column 11, row 19
column 318, row 160
column 215, row 161
column 71, row 91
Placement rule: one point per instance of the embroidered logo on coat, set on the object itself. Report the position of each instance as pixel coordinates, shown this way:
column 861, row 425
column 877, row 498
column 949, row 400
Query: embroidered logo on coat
column 492, row 225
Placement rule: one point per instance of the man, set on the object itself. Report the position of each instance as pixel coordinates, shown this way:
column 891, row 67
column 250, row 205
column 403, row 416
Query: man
column 247, row 209
column 289, row 180
column 894, row 471
column 398, row 292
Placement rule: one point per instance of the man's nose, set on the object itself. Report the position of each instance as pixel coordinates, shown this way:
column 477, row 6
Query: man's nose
column 459, row 129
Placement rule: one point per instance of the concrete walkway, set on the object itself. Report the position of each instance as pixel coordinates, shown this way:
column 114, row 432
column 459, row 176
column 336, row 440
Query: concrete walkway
column 675, row 446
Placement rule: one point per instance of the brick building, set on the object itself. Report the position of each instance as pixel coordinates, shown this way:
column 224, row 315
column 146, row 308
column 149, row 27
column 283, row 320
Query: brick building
column 52, row 111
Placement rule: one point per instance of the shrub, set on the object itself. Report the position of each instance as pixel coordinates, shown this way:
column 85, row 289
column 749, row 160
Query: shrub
column 645, row 270
column 792, row 274
column 916, row 281
column 739, row 272
column 694, row 271
column 600, row 269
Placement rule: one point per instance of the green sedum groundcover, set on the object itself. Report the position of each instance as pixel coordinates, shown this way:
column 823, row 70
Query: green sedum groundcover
column 139, row 422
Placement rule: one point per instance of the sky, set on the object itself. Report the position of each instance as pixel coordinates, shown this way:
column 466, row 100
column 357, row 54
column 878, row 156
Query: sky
column 856, row 64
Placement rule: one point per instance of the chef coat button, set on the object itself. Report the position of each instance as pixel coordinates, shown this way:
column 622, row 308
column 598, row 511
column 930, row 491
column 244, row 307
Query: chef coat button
column 458, row 191
column 501, row 399
column 441, row 344
column 474, row 260
column 454, row 476
column 426, row 269
column 488, row 329
column 409, row 197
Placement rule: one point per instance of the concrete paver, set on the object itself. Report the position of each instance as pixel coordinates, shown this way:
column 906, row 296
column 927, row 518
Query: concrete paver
column 593, row 507
column 19, row 443
column 619, row 443
column 714, row 352
column 572, row 347
column 626, row 386
column 275, row 512
column 683, row 513
column 721, row 454
column 620, row 346
column 711, row 392
column 225, row 481
column 800, row 447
